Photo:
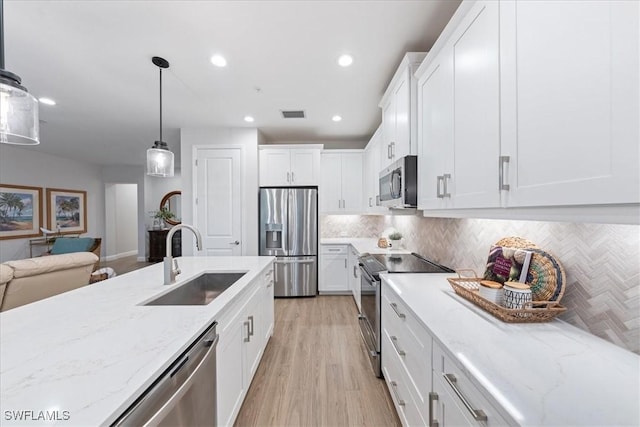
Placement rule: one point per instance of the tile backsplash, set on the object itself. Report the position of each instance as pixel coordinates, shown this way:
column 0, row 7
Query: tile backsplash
column 601, row 261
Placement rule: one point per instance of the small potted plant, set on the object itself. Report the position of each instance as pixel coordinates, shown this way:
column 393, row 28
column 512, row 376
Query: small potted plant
column 162, row 215
column 395, row 238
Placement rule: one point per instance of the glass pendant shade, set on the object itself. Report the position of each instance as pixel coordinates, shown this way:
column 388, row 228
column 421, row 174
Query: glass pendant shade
column 18, row 116
column 159, row 162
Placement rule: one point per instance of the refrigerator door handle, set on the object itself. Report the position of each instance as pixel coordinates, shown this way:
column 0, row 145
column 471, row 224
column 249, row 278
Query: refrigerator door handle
column 304, row 261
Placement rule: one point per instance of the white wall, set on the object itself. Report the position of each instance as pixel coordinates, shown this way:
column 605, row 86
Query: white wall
column 33, row 167
column 121, row 224
column 239, row 137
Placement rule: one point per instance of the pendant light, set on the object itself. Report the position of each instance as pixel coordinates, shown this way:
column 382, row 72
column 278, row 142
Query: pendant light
column 18, row 108
column 159, row 157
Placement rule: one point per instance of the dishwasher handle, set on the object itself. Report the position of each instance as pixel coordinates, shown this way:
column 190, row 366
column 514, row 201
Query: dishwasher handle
column 171, row 402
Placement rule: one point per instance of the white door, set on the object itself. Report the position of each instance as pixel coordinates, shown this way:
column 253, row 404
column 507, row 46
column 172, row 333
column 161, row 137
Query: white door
column 219, row 200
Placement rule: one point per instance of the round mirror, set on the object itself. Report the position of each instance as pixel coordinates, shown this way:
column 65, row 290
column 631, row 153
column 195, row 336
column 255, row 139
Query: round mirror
column 171, row 202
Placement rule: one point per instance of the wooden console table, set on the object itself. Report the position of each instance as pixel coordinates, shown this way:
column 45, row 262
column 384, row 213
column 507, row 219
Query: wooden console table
column 158, row 244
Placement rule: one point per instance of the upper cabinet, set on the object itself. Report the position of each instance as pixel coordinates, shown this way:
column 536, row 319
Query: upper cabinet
column 570, row 102
column 519, row 110
column 289, row 165
column 341, row 183
column 399, row 108
column 371, row 173
column 459, row 115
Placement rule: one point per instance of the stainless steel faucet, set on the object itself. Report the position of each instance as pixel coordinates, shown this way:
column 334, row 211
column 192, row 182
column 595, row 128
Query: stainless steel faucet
column 171, row 269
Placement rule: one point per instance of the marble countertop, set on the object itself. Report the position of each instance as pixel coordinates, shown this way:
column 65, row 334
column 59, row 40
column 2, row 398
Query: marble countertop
column 362, row 245
column 546, row 374
column 86, row 354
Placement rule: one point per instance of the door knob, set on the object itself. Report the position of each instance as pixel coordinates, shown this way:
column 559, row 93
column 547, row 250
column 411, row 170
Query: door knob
column 235, row 243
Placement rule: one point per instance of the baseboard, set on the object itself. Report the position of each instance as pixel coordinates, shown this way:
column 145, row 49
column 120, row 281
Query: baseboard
column 120, row 255
column 141, row 259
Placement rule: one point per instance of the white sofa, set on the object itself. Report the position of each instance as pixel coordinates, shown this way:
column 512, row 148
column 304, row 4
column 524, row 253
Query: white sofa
column 28, row 280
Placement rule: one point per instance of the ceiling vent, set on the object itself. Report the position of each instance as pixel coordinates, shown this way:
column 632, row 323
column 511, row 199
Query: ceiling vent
column 293, row 114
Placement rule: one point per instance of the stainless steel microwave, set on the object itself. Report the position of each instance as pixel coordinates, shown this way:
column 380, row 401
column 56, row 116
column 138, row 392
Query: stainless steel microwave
column 399, row 184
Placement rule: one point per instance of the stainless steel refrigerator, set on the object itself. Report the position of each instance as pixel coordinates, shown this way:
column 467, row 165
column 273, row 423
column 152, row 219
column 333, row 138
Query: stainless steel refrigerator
column 289, row 231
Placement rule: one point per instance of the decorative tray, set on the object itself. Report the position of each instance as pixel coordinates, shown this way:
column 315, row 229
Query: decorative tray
column 534, row 311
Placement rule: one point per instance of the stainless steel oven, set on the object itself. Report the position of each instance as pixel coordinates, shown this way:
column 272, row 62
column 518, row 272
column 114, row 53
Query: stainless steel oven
column 370, row 268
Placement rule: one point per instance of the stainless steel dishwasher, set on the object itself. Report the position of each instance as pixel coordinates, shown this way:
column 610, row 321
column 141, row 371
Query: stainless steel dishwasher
column 185, row 394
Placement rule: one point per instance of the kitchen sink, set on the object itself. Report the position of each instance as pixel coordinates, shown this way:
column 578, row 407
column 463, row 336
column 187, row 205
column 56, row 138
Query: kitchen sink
column 198, row 291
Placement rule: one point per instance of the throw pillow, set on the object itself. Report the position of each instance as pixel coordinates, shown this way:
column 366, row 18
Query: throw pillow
column 66, row 245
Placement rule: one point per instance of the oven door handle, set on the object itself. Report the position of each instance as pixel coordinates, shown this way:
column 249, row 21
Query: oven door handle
column 369, row 278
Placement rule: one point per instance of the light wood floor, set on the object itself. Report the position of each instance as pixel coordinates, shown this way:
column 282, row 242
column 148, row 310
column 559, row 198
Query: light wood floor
column 125, row 264
column 315, row 372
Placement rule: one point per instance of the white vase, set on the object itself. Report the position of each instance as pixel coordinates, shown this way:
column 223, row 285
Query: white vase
column 396, row 244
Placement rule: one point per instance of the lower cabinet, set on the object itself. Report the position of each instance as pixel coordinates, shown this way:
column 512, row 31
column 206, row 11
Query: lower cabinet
column 427, row 386
column 455, row 401
column 334, row 269
column 244, row 328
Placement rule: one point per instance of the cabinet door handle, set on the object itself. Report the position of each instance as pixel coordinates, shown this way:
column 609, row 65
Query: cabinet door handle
column 393, row 150
column 439, row 180
column 345, row 263
column 445, row 178
column 394, row 341
column 355, row 273
column 501, row 181
column 370, row 205
column 394, row 387
column 251, row 326
column 236, row 243
column 395, row 308
column 388, row 151
column 288, row 177
column 293, row 178
column 477, row 414
column 433, row 397
column 248, row 338
column 344, row 204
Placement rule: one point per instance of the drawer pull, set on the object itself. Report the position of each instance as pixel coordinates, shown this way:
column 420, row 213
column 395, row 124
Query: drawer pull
column 394, row 386
column 394, row 341
column 395, row 308
column 477, row 414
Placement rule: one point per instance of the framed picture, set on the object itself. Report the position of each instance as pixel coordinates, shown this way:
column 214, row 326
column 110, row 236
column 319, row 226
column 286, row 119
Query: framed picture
column 20, row 211
column 67, row 211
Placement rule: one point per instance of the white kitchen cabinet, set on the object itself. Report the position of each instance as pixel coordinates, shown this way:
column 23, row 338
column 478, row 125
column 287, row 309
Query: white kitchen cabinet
column 455, row 400
column 516, row 110
column 398, row 112
column 459, row 131
column 354, row 276
column 570, row 102
column 244, row 328
column 334, row 269
column 371, row 174
column 289, row 166
column 341, row 181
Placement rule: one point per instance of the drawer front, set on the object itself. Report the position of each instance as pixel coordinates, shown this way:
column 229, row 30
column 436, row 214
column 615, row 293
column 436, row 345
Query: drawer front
column 334, row 249
column 399, row 386
column 449, row 376
column 411, row 343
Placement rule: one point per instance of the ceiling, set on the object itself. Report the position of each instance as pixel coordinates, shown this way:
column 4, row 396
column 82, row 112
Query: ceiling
column 94, row 59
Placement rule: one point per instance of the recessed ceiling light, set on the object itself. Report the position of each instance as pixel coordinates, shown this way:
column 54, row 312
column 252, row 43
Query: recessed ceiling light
column 47, row 101
column 248, row 119
column 336, row 118
column 218, row 61
column 345, row 60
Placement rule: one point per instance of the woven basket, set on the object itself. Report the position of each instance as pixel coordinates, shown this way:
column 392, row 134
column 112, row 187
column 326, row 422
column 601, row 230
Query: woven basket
column 534, row 312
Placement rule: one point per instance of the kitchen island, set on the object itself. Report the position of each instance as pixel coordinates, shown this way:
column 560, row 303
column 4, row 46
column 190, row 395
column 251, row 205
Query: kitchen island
column 84, row 356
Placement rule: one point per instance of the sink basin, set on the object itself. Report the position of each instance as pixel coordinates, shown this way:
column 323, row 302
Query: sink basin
column 198, row 291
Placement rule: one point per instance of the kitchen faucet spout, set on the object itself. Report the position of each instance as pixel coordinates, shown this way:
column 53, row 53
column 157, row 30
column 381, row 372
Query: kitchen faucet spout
column 171, row 269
